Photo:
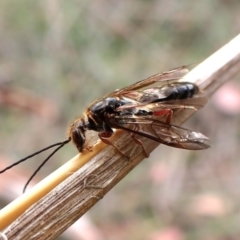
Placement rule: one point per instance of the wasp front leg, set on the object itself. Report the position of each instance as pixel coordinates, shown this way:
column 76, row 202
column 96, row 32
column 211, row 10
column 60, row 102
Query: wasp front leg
column 104, row 138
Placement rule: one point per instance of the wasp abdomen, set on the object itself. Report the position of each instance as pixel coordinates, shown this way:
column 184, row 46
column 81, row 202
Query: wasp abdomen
column 180, row 91
column 175, row 91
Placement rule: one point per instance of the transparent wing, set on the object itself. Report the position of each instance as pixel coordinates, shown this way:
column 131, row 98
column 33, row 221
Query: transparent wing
column 195, row 103
column 158, row 93
column 134, row 92
column 159, row 78
column 161, row 132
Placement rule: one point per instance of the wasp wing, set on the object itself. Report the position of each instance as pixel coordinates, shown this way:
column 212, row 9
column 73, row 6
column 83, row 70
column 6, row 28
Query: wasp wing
column 161, row 132
column 160, row 92
column 173, row 75
column 135, row 91
column 195, row 103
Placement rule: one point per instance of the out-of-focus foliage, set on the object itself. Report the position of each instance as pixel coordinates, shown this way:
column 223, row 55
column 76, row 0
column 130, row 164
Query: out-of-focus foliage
column 68, row 53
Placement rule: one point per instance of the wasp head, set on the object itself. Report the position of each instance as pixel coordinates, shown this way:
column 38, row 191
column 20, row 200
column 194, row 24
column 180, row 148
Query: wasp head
column 76, row 132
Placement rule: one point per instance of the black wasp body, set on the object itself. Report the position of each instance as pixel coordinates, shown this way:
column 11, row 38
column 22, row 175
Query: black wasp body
column 116, row 111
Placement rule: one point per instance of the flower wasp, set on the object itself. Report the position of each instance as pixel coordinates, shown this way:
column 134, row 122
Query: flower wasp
column 139, row 109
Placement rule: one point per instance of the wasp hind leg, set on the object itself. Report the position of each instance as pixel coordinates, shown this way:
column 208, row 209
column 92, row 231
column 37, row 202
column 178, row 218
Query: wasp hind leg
column 167, row 112
column 164, row 112
column 139, row 142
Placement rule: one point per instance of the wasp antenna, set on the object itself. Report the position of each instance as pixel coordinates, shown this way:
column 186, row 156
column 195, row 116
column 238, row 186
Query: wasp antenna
column 30, row 156
column 42, row 164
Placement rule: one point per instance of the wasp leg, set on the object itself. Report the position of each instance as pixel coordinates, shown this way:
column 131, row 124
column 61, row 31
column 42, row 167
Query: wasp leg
column 89, row 148
column 139, row 142
column 104, row 135
column 168, row 112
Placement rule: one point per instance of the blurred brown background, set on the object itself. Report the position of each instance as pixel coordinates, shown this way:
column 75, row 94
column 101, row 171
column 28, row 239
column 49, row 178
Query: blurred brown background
column 56, row 57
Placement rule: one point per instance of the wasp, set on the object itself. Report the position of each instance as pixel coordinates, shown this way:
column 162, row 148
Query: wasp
column 142, row 104
column 145, row 108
